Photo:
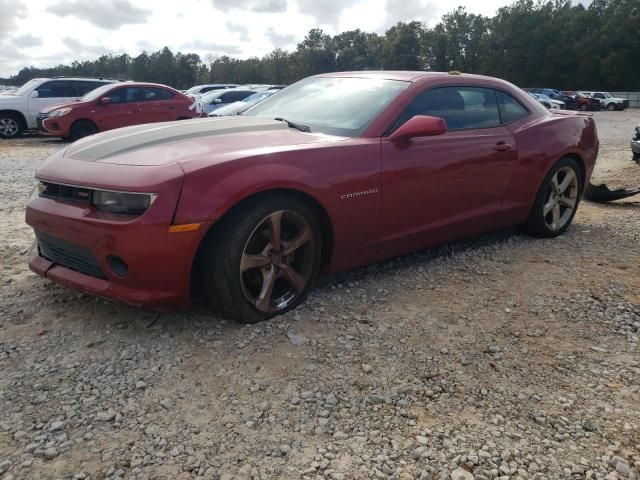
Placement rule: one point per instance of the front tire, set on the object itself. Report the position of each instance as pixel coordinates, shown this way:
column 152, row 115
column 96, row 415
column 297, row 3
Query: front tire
column 612, row 107
column 263, row 260
column 557, row 200
column 10, row 125
column 81, row 129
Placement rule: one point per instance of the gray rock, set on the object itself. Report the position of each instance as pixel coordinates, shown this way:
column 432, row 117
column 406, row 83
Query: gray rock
column 56, row 426
column 4, row 465
column 51, row 453
column 296, row 339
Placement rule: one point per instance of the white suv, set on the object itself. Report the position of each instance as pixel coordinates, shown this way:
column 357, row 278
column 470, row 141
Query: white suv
column 19, row 109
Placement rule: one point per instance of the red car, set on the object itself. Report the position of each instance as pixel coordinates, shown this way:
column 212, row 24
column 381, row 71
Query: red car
column 582, row 102
column 114, row 106
column 335, row 171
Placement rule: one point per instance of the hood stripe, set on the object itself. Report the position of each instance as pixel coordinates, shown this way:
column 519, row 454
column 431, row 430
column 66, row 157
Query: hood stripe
column 127, row 139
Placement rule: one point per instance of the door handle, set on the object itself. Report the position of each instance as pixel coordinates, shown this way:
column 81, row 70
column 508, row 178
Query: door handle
column 502, row 147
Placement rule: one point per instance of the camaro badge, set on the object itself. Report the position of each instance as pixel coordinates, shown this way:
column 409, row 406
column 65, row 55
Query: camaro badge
column 345, row 196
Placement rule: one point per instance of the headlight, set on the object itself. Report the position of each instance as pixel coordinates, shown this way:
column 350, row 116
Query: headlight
column 122, row 202
column 58, row 113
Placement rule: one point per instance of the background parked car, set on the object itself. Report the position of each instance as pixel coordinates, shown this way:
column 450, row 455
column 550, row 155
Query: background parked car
column 211, row 101
column 548, row 102
column 237, row 108
column 608, row 101
column 635, row 144
column 582, row 102
column 199, row 90
column 554, row 94
column 18, row 109
column 114, row 106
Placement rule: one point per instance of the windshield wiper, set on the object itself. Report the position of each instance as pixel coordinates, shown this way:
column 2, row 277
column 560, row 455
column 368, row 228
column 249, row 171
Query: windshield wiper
column 297, row 126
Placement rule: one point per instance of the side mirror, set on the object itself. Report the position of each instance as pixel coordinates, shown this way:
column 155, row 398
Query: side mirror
column 104, row 101
column 34, row 94
column 419, row 126
column 217, row 100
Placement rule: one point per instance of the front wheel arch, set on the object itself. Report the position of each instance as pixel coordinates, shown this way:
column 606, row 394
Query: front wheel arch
column 82, row 120
column 18, row 114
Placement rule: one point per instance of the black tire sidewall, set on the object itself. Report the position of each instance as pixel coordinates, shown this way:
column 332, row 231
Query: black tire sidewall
column 536, row 225
column 18, row 120
column 221, row 272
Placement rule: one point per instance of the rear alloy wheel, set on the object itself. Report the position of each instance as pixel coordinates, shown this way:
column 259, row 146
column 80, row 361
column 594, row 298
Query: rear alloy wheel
column 266, row 260
column 584, row 107
column 81, row 129
column 611, row 107
column 557, row 200
column 10, row 126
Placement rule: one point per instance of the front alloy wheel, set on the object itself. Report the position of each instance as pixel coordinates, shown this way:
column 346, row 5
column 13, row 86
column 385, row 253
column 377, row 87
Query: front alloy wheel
column 9, row 126
column 262, row 258
column 277, row 261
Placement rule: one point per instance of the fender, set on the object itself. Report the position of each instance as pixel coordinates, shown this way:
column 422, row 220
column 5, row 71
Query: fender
column 337, row 182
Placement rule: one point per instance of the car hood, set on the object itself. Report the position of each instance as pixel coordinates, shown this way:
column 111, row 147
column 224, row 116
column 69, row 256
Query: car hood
column 214, row 139
column 51, row 108
column 11, row 99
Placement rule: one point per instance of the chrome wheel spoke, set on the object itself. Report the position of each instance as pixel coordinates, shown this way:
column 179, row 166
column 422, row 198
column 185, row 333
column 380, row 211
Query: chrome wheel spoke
column 567, row 202
column 554, row 184
column 566, row 181
column 303, row 237
column 253, row 261
column 548, row 206
column 291, row 276
column 275, row 229
column 555, row 223
column 263, row 302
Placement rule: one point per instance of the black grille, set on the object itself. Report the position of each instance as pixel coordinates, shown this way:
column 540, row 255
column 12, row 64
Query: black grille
column 625, row 103
column 64, row 192
column 69, row 255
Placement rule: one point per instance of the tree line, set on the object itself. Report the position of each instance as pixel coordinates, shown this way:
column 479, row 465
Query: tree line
column 553, row 44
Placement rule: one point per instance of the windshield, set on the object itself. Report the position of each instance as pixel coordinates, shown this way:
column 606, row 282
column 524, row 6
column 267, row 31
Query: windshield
column 97, row 93
column 26, row 87
column 607, row 95
column 332, row 105
column 195, row 89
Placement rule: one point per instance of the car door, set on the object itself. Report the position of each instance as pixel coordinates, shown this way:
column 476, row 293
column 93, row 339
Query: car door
column 124, row 108
column 159, row 105
column 455, row 182
column 50, row 93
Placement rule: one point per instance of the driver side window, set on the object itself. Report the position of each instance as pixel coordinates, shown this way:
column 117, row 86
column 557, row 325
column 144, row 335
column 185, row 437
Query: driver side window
column 462, row 108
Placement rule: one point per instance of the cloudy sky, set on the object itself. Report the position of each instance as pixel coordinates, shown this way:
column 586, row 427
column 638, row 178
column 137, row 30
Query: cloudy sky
column 49, row 32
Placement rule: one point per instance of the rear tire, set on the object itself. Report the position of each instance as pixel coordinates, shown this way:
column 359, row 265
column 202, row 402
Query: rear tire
column 556, row 204
column 81, row 129
column 246, row 278
column 584, row 107
column 11, row 125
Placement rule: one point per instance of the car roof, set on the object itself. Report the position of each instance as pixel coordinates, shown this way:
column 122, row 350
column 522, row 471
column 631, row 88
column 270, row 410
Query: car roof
column 402, row 75
column 143, row 84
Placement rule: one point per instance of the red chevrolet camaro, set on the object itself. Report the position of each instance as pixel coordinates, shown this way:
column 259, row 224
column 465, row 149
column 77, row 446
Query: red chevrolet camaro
column 335, row 171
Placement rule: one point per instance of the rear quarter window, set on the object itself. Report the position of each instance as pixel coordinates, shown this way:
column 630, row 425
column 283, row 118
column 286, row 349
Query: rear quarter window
column 510, row 109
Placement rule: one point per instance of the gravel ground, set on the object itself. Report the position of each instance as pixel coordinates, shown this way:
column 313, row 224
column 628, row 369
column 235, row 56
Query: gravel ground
column 500, row 357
